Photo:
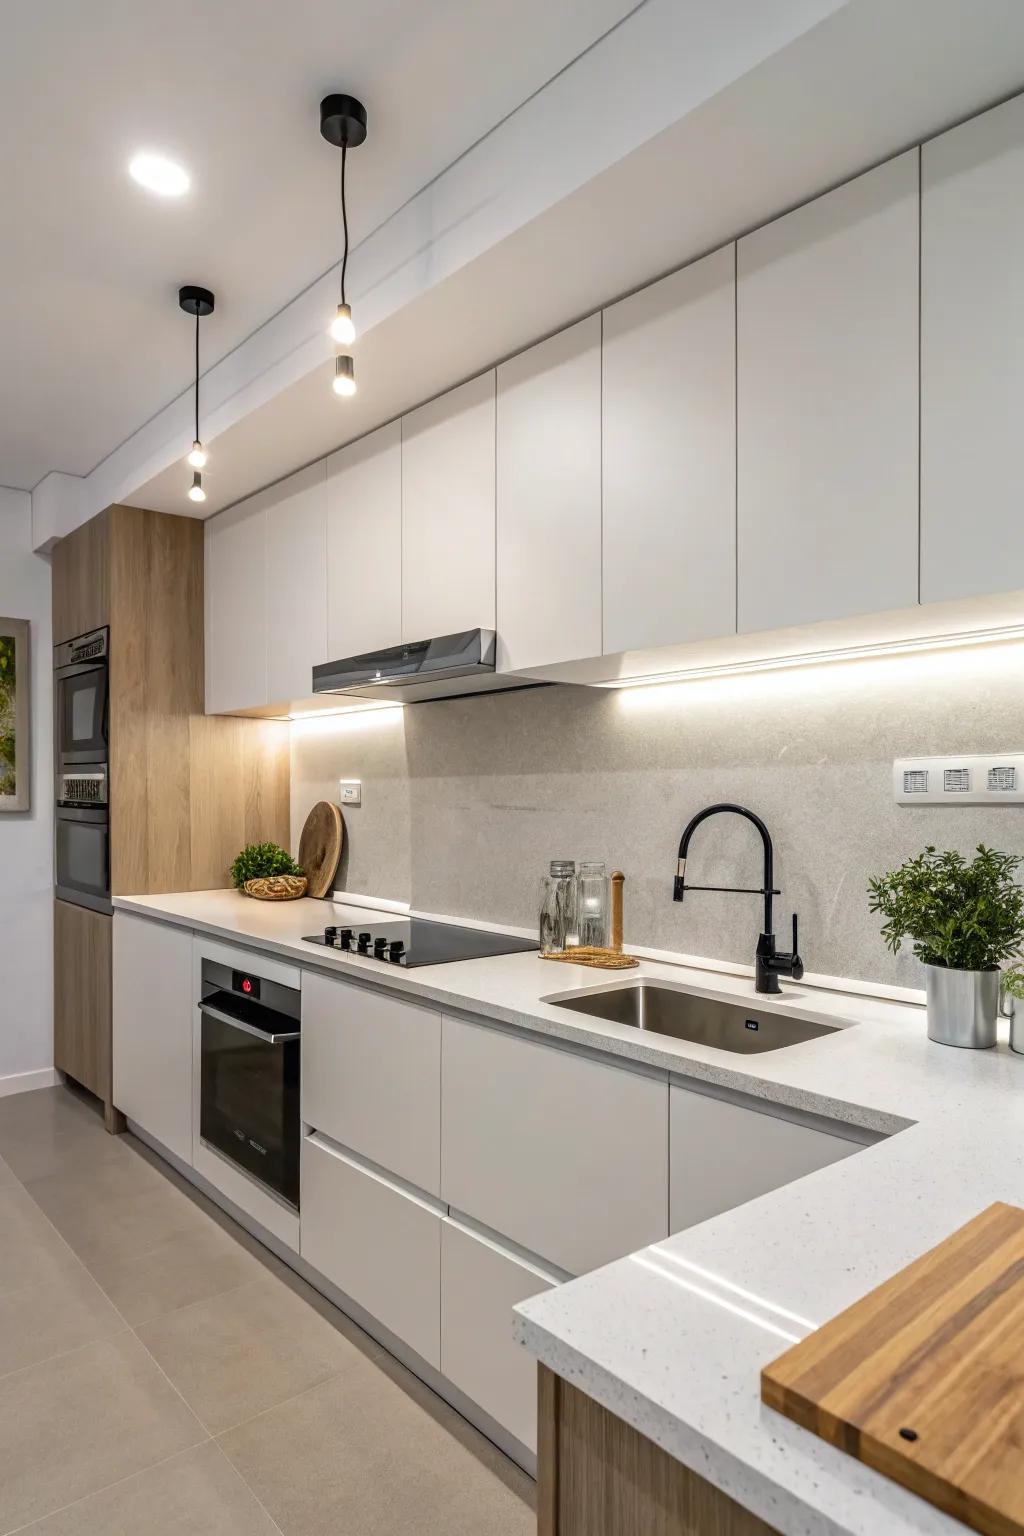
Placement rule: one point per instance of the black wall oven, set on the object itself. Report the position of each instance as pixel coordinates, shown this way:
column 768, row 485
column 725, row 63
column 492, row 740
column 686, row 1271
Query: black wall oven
column 249, row 1075
column 82, row 817
column 80, row 676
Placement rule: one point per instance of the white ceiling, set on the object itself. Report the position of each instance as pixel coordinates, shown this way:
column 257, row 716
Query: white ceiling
column 93, row 342
column 868, row 82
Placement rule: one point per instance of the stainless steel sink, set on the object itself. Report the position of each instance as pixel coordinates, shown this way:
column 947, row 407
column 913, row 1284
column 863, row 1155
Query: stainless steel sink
column 684, row 1016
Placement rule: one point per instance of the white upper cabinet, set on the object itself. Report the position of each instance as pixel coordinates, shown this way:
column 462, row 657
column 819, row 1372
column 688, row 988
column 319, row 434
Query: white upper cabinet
column 364, row 544
column 549, row 501
column 827, row 370
column 669, row 459
column 972, row 356
column 448, row 513
column 236, row 612
column 296, row 601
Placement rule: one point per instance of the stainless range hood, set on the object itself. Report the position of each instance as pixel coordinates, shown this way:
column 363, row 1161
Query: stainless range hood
column 443, row 668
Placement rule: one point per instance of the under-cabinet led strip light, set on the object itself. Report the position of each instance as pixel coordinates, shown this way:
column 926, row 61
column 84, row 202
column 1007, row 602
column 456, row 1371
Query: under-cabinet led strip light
column 819, row 658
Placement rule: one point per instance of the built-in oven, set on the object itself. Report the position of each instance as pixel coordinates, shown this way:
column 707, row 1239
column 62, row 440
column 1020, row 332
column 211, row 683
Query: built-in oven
column 80, row 675
column 249, row 1075
column 82, row 838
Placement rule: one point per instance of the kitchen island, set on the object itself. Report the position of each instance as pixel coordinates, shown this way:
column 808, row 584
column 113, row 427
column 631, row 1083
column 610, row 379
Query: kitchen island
column 671, row 1338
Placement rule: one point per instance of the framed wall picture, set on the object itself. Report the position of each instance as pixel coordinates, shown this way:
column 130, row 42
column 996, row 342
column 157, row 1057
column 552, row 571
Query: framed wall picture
column 15, row 732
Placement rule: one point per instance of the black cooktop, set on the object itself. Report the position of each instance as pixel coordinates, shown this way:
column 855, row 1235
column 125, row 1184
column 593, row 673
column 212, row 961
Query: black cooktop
column 415, row 941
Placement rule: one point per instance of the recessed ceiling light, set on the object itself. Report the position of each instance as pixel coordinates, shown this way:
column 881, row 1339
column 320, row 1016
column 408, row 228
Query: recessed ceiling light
column 159, row 175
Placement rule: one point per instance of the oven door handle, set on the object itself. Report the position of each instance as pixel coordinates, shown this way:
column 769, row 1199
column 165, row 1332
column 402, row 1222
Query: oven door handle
column 249, row 1029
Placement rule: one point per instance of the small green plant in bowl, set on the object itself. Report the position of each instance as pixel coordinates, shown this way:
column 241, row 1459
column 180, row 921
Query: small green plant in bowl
column 267, row 871
column 965, row 919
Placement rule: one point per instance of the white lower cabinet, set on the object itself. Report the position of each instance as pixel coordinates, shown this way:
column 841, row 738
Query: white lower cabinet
column 480, row 1285
column 152, row 1029
column 563, row 1153
column 371, row 1076
column 377, row 1243
column 724, row 1153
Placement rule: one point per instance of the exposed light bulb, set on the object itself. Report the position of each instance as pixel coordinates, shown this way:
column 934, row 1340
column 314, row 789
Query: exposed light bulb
column 197, row 458
column 342, row 328
column 196, row 492
column 344, row 376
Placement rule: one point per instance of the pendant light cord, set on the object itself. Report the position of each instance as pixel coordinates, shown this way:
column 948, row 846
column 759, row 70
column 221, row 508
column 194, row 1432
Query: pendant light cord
column 197, row 373
column 344, row 222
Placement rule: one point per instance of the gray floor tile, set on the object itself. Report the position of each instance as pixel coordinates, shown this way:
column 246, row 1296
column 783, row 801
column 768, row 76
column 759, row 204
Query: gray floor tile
column 74, row 1425
column 31, row 1252
column 198, row 1492
column 239, row 1353
column 40, row 1321
column 50, row 1131
column 116, row 1210
column 176, row 1274
column 358, row 1457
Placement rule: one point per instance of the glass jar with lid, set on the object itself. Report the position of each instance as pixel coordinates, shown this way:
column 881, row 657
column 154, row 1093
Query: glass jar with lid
column 558, row 907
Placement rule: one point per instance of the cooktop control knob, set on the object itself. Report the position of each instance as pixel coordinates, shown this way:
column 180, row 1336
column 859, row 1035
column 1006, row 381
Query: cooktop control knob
column 364, row 942
column 396, row 949
column 331, row 936
column 380, row 944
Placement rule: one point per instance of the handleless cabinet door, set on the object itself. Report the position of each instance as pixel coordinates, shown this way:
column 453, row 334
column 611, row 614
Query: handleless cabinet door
column 448, row 513
column 371, row 1076
column 236, row 610
column 563, row 1154
column 480, row 1285
column 549, row 501
column 972, row 356
column 152, row 1029
column 296, row 600
column 724, row 1154
column 827, row 410
column 364, row 544
column 669, row 459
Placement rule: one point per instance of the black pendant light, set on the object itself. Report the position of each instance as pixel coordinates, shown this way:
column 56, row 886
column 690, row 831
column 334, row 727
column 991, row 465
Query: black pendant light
column 343, row 124
column 198, row 302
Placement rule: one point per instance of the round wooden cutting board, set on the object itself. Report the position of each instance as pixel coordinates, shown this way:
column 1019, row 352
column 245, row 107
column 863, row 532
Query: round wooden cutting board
column 320, row 847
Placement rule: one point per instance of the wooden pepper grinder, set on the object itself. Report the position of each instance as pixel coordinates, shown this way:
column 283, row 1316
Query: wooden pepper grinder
column 618, row 879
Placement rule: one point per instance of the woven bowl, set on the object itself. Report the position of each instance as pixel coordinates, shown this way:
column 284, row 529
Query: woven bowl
column 276, row 887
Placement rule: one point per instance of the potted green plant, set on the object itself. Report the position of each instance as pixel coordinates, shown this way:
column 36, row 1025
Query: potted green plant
column 267, row 871
column 965, row 918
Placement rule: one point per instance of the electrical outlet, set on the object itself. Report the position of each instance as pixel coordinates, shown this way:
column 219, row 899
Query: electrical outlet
column 996, row 779
column 351, row 791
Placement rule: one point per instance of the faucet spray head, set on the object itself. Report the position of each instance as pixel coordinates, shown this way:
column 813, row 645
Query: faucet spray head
column 679, row 883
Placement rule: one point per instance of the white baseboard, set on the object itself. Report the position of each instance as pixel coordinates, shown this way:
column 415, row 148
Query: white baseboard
column 24, row 1082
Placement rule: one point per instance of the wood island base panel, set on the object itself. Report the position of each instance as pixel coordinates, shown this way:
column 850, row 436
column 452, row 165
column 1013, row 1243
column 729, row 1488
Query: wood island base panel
column 597, row 1476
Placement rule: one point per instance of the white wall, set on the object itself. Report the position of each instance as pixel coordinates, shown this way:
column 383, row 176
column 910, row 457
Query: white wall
column 26, row 839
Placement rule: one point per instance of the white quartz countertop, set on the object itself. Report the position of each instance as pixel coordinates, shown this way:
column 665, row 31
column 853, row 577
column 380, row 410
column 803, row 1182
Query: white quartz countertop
column 673, row 1338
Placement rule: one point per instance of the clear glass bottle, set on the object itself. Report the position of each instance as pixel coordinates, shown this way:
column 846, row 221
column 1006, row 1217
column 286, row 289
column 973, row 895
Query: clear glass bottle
column 558, row 907
column 593, row 903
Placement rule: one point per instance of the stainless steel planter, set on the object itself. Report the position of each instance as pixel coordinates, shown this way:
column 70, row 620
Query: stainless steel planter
column 962, row 1006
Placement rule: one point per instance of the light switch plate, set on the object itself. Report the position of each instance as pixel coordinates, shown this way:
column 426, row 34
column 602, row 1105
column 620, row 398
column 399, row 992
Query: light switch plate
column 351, row 791
column 995, row 779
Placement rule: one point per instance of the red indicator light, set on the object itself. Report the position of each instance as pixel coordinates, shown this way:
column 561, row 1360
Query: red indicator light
column 246, row 984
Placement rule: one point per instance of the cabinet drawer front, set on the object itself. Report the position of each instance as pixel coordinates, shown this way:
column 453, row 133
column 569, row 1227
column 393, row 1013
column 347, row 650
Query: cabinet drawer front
column 725, row 1154
column 565, row 1155
column 380, row 1246
column 480, row 1284
column 371, row 1074
column 152, row 1029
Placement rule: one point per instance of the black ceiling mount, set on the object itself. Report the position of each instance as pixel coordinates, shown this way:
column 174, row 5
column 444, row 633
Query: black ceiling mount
column 343, row 121
column 195, row 301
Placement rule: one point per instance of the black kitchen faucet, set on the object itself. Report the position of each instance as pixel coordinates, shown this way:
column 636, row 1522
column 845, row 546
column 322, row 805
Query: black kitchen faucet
column 769, row 964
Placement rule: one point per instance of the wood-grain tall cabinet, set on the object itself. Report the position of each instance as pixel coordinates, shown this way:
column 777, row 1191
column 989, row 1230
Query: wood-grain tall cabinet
column 187, row 791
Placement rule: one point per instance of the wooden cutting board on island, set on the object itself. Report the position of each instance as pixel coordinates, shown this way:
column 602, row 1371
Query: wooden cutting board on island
column 923, row 1379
